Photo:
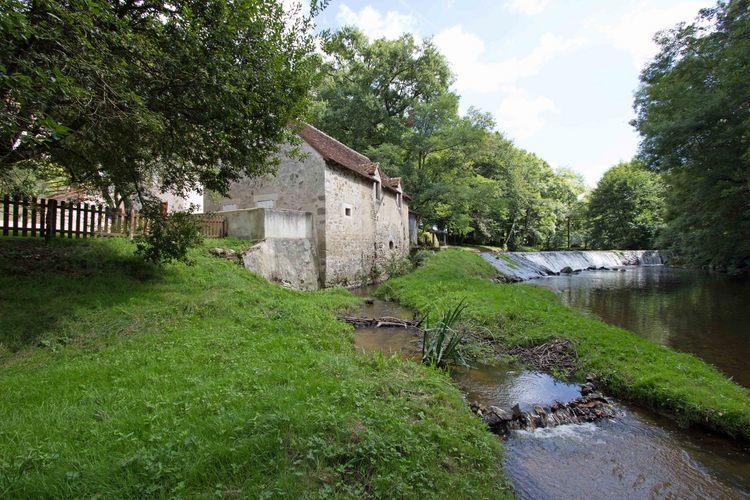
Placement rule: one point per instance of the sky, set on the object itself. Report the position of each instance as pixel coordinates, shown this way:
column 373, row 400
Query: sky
column 557, row 75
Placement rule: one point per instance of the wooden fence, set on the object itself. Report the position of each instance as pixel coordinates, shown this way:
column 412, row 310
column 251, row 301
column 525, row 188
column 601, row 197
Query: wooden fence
column 49, row 218
column 213, row 226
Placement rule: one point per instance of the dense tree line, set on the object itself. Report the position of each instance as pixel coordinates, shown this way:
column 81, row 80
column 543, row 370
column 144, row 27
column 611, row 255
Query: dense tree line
column 391, row 99
column 626, row 209
column 693, row 113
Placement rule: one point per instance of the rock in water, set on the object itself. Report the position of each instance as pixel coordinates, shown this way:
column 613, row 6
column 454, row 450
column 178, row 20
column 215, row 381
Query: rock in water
column 583, row 409
column 516, row 412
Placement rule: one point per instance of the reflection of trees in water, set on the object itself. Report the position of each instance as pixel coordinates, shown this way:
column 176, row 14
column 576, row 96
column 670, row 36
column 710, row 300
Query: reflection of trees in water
column 695, row 312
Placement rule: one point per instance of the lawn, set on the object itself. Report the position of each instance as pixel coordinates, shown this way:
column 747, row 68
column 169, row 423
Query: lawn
column 121, row 380
column 631, row 367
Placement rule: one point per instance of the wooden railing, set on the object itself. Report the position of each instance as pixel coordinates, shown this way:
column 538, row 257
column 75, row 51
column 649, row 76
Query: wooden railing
column 49, row 218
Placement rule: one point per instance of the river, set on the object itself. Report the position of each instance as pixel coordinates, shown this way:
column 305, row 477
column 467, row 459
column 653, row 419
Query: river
column 636, row 455
column 706, row 314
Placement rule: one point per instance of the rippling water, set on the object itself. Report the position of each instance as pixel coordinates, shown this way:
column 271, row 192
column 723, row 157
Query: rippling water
column 636, row 455
column 692, row 311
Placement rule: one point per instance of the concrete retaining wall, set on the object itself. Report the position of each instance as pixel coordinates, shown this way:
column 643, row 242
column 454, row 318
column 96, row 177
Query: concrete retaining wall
column 291, row 262
column 261, row 223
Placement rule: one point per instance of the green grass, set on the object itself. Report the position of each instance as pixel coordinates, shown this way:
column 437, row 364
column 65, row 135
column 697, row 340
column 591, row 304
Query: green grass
column 122, row 380
column 475, row 248
column 629, row 366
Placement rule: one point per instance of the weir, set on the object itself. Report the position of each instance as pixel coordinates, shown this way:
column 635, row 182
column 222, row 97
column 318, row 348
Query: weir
column 529, row 265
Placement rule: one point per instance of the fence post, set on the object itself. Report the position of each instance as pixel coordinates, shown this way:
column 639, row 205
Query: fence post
column 16, row 205
column 131, row 227
column 51, row 219
column 34, row 210
column 6, row 214
column 24, row 215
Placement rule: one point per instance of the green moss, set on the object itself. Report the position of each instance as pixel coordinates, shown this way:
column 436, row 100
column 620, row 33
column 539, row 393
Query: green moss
column 629, row 366
column 122, row 380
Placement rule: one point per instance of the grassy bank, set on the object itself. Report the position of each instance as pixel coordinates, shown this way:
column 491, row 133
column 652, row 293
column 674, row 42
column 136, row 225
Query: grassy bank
column 121, row 380
column 629, row 366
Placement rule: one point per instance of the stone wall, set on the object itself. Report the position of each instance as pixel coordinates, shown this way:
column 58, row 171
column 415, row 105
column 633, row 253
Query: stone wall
column 350, row 228
column 363, row 235
column 355, row 236
column 392, row 230
column 298, row 184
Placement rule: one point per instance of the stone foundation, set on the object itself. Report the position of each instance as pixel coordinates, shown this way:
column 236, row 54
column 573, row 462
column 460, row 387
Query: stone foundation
column 289, row 262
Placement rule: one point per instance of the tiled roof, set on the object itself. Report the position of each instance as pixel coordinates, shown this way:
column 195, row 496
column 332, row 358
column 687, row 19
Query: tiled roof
column 332, row 150
column 393, row 182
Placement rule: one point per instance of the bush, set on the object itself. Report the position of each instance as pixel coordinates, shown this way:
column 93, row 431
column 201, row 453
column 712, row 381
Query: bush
column 420, row 257
column 396, row 267
column 169, row 237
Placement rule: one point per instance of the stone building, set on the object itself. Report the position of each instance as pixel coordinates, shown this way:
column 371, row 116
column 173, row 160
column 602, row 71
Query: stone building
column 359, row 216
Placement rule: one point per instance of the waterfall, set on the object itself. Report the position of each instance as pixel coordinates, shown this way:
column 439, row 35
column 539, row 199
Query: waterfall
column 530, row 265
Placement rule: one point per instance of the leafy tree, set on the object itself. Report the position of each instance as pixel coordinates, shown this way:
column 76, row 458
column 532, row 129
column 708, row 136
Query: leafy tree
column 369, row 89
column 391, row 100
column 126, row 93
column 693, row 113
column 626, row 208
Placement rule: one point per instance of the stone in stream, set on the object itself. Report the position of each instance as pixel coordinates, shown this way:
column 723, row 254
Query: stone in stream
column 566, row 270
column 516, row 412
column 587, row 408
column 587, row 388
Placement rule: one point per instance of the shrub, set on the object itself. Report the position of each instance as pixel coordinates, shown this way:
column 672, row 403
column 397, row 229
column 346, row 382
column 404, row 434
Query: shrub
column 420, row 257
column 169, row 237
column 397, row 267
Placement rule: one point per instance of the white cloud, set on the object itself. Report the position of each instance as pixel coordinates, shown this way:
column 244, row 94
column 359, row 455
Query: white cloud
column 521, row 115
column 527, row 7
column 374, row 24
column 465, row 50
column 634, row 30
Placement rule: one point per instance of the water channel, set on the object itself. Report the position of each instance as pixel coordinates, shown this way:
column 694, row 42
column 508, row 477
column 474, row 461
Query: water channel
column 636, row 455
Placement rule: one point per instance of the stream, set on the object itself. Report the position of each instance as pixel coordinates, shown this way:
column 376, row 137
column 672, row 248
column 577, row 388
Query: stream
column 706, row 314
column 635, row 455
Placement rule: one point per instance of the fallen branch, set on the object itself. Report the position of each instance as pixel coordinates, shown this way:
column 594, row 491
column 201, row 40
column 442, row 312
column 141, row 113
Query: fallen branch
column 384, row 322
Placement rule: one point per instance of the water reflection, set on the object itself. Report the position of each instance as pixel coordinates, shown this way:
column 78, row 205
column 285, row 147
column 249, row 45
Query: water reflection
column 692, row 311
column 506, row 385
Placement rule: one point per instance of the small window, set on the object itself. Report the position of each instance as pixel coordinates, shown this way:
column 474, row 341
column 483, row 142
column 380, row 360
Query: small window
column 348, row 211
column 398, row 200
column 232, row 206
column 390, row 245
column 378, row 190
column 265, row 204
